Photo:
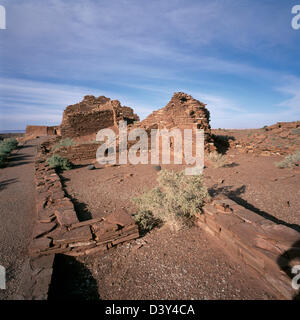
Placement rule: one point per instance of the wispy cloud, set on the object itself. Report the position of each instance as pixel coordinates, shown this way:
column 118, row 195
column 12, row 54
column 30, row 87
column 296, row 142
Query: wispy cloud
column 140, row 52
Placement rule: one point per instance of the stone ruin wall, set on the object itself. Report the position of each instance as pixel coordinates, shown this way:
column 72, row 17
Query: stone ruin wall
column 92, row 114
column 182, row 112
column 42, row 130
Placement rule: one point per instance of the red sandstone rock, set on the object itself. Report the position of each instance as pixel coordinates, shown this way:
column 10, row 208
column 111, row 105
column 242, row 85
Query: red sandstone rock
column 66, row 217
column 41, row 229
column 75, row 235
column 40, row 244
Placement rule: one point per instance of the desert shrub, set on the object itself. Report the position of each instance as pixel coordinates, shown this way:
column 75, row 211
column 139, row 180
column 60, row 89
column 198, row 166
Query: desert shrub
column 174, row 202
column 289, row 161
column 218, row 159
column 2, row 160
column 59, row 163
column 146, row 220
column 6, row 147
column 11, row 142
column 67, row 142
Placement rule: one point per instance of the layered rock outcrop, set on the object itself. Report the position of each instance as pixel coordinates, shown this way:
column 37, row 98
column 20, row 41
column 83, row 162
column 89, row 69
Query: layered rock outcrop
column 93, row 114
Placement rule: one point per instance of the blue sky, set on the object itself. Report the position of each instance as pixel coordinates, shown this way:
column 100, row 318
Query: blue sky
column 241, row 57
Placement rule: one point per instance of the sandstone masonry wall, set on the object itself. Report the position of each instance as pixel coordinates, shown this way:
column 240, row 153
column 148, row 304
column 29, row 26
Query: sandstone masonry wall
column 93, row 114
column 182, row 112
column 269, row 248
column 41, row 130
column 58, row 230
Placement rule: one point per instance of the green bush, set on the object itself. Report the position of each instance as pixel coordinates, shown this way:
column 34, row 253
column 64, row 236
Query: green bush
column 6, row 147
column 289, row 161
column 2, row 160
column 12, row 142
column 60, row 163
column 67, row 142
column 174, row 202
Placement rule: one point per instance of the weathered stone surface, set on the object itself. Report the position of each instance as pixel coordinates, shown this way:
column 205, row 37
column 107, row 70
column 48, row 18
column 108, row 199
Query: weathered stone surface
column 66, row 217
column 65, row 203
column 96, row 249
column 79, row 234
column 93, row 114
column 281, row 232
column 40, row 244
column 40, row 130
column 129, row 237
column 46, row 215
column 181, row 112
column 41, row 229
column 210, row 210
column 85, row 223
column 104, row 227
column 264, row 245
column 247, row 215
column 268, row 245
column 120, row 217
column 57, row 195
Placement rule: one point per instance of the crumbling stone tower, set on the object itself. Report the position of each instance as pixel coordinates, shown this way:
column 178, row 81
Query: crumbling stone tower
column 182, row 112
column 92, row 114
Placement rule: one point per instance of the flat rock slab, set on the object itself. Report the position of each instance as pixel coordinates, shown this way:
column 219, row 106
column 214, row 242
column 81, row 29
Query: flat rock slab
column 281, row 232
column 103, row 227
column 41, row 229
column 120, row 217
column 66, row 216
column 40, row 244
column 76, row 235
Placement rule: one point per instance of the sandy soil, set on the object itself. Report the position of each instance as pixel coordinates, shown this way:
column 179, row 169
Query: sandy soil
column 162, row 265
column 189, row 264
column 17, row 214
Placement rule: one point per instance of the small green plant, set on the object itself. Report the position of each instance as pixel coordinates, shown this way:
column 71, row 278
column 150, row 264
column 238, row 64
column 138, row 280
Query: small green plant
column 289, row 161
column 174, row 202
column 59, row 163
column 2, row 160
column 67, row 142
column 6, row 147
column 218, row 159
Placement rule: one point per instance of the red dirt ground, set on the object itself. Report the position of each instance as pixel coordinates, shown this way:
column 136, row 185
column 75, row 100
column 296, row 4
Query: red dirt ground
column 189, row 264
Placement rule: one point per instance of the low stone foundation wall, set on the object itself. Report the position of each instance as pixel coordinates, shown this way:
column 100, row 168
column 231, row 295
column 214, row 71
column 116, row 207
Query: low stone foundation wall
column 58, row 230
column 270, row 248
column 79, row 152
